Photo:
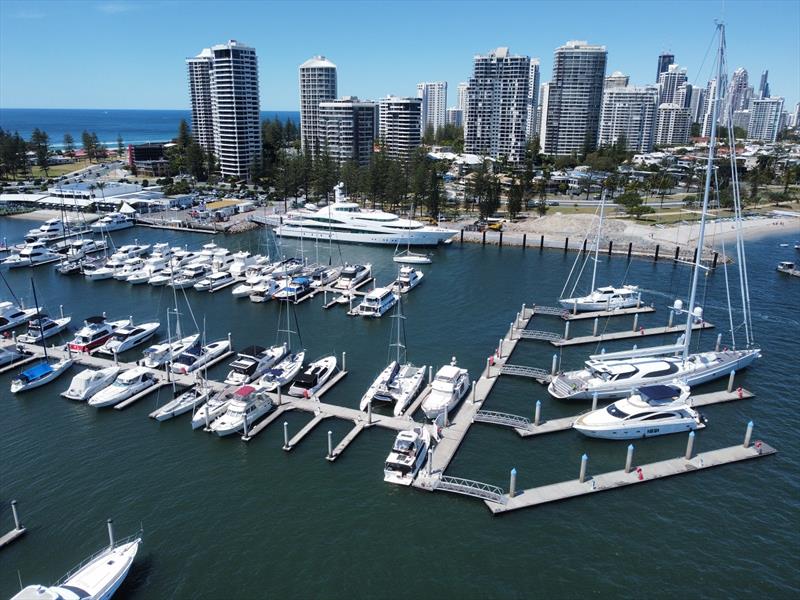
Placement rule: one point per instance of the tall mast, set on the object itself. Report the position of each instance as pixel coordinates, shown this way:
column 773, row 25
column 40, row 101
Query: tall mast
column 712, row 143
column 39, row 319
column 597, row 241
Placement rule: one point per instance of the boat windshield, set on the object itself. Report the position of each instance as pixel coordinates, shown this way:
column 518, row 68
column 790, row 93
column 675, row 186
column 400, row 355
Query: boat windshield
column 403, row 446
column 616, row 412
column 398, row 468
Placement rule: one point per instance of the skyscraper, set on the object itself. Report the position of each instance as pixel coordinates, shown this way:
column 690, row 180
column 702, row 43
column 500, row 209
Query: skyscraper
column 347, row 129
column 497, row 105
column 669, row 82
column 399, row 126
column 673, row 125
column 763, row 86
column 616, row 80
column 696, row 104
column 455, row 117
column 574, row 99
column 232, row 88
column 531, row 124
column 664, row 61
column 317, row 84
column 708, row 99
column 629, row 112
column 765, row 119
column 463, row 88
column 738, row 94
column 434, row 104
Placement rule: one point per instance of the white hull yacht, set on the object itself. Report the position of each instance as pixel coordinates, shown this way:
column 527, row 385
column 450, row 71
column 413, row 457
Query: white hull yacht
column 249, row 405
column 12, row 316
column 130, row 336
column 90, row 381
column 352, row 276
column 112, row 222
column 282, row 373
column 159, row 354
column 182, row 403
column 397, row 384
column 376, row 303
column 309, row 382
column 199, row 356
column 408, row 455
column 40, row 374
column 604, row 298
column 32, row 255
column 126, row 385
column 251, row 363
column 449, row 386
column 407, row 279
column 216, row 406
column 95, row 332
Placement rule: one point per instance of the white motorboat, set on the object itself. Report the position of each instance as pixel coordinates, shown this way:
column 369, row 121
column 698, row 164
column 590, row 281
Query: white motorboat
column 283, row 372
column 12, row 316
column 294, row 290
column 112, row 222
column 198, row 356
column 182, row 257
column 789, row 268
column 99, row 271
column 343, row 221
column 163, row 277
column 353, row 275
column 411, row 258
column 325, row 277
column 131, row 266
column 313, row 377
column 604, row 298
column 127, row 384
column 159, row 354
column 40, row 374
column 182, row 403
column 43, row 328
column 81, row 248
column 252, row 362
column 407, row 279
column 206, row 254
column 216, row 406
column 143, row 275
column 222, row 260
column 50, row 229
column 90, row 381
column 242, row 261
column 130, row 336
column 650, row 411
column 96, row 578
column 408, row 455
column 95, row 332
column 8, row 355
column 127, row 252
column 248, row 405
column 376, row 303
column 397, row 384
column 190, row 275
column 216, row 280
column 265, row 291
column 449, row 386
column 31, row 255
column 287, row 268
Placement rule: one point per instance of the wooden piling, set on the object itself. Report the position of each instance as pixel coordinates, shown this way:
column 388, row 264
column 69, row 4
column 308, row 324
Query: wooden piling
column 655, row 256
column 566, row 244
column 677, row 252
column 483, row 240
column 501, row 239
column 524, row 240
column 630, row 249
column 610, row 246
column 541, row 243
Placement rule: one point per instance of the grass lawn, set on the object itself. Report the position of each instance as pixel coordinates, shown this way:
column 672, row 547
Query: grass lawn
column 54, row 170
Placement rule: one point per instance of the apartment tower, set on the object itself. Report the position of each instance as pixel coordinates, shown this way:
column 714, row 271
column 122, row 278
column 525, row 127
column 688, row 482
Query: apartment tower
column 317, row 84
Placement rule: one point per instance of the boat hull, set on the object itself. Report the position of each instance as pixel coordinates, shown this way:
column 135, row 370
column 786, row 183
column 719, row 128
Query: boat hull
column 425, row 238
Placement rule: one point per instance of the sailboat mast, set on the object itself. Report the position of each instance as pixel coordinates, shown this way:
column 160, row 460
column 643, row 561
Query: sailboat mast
column 597, row 241
column 712, row 142
column 39, row 318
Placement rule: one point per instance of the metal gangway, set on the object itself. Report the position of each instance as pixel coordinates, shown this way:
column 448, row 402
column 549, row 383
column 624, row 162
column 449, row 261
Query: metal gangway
column 501, row 418
column 468, row 487
column 548, row 310
column 541, row 375
column 533, row 334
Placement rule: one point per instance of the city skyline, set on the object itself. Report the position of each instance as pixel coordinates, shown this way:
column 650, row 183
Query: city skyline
column 110, row 77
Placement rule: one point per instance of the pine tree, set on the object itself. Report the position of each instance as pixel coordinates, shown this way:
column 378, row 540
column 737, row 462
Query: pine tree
column 69, row 144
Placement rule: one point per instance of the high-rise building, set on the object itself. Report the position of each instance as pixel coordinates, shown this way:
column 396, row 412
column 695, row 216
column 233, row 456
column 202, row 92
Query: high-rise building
column 673, row 125
column 684, row 95
column 629, row 112
column 434, row 104
column 347, row 129
column 669, row 82
column 232, row 87
column 399, row 126
column 455, row 117
column 200, row 93
column 317, row 84
column 765, row 119
column 616, row 80
column 741, row 119
column 763, row 86
column 738, row 95
column 664, row 61
column 463, row 89
column 795, row 119
column 544, row 103
column 497, row 105
column 533, row 100
column 708, row 100
column 575, row 97
column 696, row 104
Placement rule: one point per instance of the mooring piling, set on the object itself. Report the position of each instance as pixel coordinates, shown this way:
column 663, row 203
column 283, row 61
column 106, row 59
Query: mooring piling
column 730, row 380
column 512, row 484
column 584, row 461
column 689, row 446
column 285, row 435
column 747, row 435
column 537, row 415
column 629, row 459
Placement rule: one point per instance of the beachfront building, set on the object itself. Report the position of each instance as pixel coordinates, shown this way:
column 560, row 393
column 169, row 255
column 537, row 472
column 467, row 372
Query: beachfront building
column 433, row 96
column 629, row 112
column 200, row 92
column 399, row 126
column 674, row 125
column 531, row 117
column 317, row 84
column 765, row 119
column 575, row 96
column 347, row 129
column 497, row 105
column 669, row 82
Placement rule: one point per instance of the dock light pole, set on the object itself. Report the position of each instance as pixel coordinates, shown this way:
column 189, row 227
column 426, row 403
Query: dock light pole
column 512, row 484
column 430, row 461
column 584, row 461
column 689, row 446
column 537, row 415
column 110, row 533
column 344, row 361
column 285, row 435
column 330, row 443
column 629, row 459
column 747, row 435
column 17, row 525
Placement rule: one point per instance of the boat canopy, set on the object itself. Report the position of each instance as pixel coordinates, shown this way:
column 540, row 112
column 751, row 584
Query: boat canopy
column 36, row 372
column 659, row 393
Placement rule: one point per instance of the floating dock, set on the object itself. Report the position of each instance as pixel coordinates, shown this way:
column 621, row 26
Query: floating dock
column 18, row 531
column 625, row 335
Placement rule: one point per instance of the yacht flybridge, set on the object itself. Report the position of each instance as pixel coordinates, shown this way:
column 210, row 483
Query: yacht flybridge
column 409, row 453
column 344, row 221
column 617, row 374
column 449, row 386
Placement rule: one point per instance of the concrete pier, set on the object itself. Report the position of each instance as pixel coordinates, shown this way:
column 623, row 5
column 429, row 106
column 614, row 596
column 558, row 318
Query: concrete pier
column 625, row 335
column 309, row 427
column 18, row 531
column 346, row 440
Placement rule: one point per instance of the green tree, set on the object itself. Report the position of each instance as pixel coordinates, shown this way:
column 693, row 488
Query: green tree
column 69, row 144
column 196, row 161
column 40, row 143
column 184, row 135
column 434, row 195
column 515, row 198
column 88, row 145
column 120, row 146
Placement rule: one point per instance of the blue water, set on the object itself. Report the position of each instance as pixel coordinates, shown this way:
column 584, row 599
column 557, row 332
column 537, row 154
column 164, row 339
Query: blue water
column 135, row 126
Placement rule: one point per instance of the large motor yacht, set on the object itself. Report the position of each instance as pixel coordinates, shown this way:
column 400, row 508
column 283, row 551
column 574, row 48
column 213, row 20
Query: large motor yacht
column 376, row 303
column 31, row 255
column 449, row 386
column 95, row 332
column 314, row 377
column 112, row 222
column 12, row 315
column 126, row 385
column 409, row 453
column 248, row 405
column 252, row 362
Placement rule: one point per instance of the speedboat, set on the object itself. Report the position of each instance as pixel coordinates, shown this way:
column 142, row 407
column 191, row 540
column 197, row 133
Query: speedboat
column 8, row 355
column 190, row 275
column 650, row 411
column 376, row 303
column 604, row 298
column 788, row 267
column 265, row 291
column 40, row 374
column 112, row 222
column 214, row 281
column 158, row 354
column 449, row 386
column 43, row 328
column 295, row 290
column 95, row 332
column 31, row 255
column 96, row 578
column 215, row 407
column 283, row 372
column 252, row 362
column 325, row 277
column 352, row 276
column 248, row 405
column 12, row 316
column 397, row 384
column 90, row 381
column 407, row 279
column 408, row 455
column 126, row 385
column 182, row 403
column 308, row 383
column 130, row 336
column 198, row 356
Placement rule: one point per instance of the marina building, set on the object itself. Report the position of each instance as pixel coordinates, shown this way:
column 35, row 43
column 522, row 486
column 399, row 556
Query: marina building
column 629, row 112
column 434, row 104
column 674, row 125
column 497, row 105
column 575, row 96
column 148, row 159
column 765, row 119
column 347, row 129
column 317, row 84
column 399, row 126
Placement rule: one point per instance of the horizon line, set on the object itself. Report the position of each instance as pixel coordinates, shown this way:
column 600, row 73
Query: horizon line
column 101, row 108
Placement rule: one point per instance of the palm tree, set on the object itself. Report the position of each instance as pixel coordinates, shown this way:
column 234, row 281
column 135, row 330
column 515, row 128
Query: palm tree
column 101, row 185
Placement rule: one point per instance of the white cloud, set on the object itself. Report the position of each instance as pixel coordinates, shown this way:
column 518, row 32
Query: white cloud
column 115, row 8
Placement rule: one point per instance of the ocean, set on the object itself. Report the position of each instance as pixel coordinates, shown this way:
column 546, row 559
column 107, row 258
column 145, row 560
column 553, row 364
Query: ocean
column 135, row 126
column 225, row 519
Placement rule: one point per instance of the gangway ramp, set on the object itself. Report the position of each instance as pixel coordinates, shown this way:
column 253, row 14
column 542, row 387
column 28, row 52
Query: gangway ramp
column 468, row 487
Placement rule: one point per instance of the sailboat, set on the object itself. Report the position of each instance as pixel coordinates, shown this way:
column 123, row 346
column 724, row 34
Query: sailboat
column 407, row 256
column 618, row 374
column 602, row 298
column 287, row 369
column 400, row 382
column 159, row 354
column 44, row 372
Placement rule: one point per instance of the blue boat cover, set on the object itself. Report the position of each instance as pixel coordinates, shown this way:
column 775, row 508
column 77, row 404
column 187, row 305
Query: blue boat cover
column 659, row 392
column 36, row 372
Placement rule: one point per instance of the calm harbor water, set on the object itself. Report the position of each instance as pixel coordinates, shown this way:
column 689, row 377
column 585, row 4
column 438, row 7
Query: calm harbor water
column 224, row 519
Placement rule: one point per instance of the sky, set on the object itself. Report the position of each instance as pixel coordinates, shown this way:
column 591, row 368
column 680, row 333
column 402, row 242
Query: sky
column 119, row 54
